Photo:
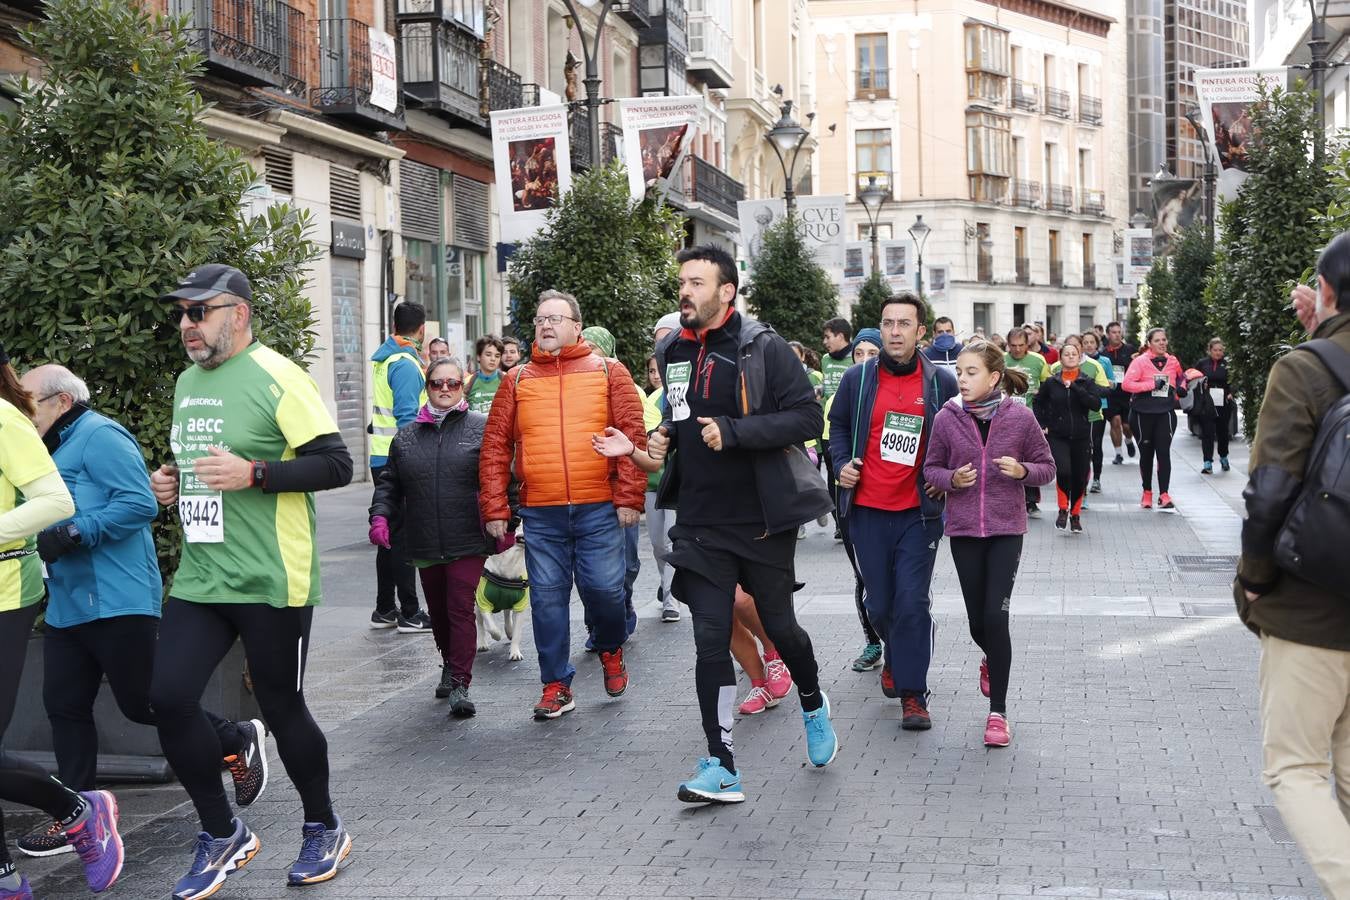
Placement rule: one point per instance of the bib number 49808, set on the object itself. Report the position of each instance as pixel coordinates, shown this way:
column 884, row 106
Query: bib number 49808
column 900, row 438
column 203, row 518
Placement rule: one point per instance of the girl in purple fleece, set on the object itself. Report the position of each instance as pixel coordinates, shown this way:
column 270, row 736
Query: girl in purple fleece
column 985, row 448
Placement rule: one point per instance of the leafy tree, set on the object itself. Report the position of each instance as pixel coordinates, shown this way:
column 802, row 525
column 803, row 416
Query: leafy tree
column 1159, row 289
column 112, row 191
column 871, row 297
column 617, row 259
column 1188, row 330
column 790, row 291
column 1133, row 326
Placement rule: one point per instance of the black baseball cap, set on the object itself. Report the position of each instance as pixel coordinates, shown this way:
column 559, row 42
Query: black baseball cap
column 205, row 282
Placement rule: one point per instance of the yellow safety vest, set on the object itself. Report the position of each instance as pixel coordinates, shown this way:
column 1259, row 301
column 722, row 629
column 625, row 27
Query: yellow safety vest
column 383, row 425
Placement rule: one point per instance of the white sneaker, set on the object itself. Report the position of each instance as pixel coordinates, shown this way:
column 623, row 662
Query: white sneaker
column 801, row 532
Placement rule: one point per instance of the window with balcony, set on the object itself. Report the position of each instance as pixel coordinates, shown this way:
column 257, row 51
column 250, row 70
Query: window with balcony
column 987, row 49
column 873, row 61
column 988, row 155
column 873, row 154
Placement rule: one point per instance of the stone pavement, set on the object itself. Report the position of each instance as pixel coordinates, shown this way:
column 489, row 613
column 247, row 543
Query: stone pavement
column 1133, row 772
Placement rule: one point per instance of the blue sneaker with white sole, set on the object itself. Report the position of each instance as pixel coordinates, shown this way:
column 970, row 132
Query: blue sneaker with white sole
column 215, row 860
column 322, row 850
column 821, row 742
column 712, row 784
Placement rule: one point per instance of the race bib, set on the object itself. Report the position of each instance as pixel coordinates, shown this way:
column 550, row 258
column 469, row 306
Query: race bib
column 1216, row 395
column 900, row 435
column 202, row 512
column 1118, row 375
column 677, row 389
column 1160, row 386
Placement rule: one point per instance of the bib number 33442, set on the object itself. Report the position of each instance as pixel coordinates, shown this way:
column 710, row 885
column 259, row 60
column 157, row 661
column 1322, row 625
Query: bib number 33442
column 203, row 518
column 900, row 435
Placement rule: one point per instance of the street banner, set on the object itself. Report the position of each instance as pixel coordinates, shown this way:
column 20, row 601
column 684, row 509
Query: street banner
column 820, row 222
column 1226, row 99
column 1138, row 254
column 1177, row 203
column 383, row 71
column 532, row 161
column 937, row 282
column 755, row 217
column 895, row 260
column 1124, row 289
column 857, row 258
column 657, row 132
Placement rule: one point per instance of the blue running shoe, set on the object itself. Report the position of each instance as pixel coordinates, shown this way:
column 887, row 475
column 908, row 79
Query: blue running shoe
column 22, row 892
column 97, row 842
column 322, row 850
column 821, row 743
column 215, row 860
column 712, row 784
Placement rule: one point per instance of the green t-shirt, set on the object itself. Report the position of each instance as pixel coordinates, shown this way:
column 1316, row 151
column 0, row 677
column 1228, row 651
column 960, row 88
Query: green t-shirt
column 832, row 371
column 246, row 546
column 481, row 391
column 23, row 459
column 1033, row 364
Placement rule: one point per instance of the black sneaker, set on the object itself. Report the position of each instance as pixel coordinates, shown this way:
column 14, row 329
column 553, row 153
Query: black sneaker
column 1033, row 511
column 461, row 707
column 248, row 767
column 1129, row 448
column 1062, row 520
column 447, row 683
column 45, row 840
column 383, row 619
column 417, row 623
column 1075, row 524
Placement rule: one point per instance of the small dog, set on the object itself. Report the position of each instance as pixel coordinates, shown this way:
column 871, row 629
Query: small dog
column 504, row 588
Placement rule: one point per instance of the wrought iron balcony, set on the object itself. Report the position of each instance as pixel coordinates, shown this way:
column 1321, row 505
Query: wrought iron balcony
column 467, row 16
column 1057, row 103
column 580, row 127
column 1089, row 275
column 253, row 42
column 529, row 94
column 611, row 142
column 1094, row 203
column 716, row 188
column 1089, row 110
column 1057, row 272
column 1026, row 194
column 1023, row 270
column 1061, row 198
column 505, row 90
column 441, row 70
column 1025, row 96
column 345, row 77
column 637, row 13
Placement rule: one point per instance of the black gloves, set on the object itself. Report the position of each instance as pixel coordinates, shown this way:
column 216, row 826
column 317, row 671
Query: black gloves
column 55, row 542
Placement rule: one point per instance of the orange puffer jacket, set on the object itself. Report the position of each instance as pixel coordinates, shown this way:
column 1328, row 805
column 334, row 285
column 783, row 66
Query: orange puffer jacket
column 543, row 418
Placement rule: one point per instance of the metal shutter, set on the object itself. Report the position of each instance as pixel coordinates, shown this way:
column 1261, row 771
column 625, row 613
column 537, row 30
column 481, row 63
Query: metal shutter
column 419, row 186
column 279, row 169
column 471, row 213
column 344, row 193
column 349, row 362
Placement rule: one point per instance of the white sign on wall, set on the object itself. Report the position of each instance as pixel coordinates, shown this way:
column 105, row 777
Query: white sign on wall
column 383, row 71
column 820, row 222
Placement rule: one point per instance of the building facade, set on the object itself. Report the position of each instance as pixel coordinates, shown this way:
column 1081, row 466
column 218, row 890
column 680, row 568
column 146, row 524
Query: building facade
column 1029, row 94
column 1280, row 30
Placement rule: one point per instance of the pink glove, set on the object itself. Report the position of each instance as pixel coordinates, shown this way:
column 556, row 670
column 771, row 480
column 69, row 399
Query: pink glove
column 379, row 532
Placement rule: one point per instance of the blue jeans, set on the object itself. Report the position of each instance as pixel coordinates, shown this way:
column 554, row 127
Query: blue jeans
column 896, row 552
column 583, row 542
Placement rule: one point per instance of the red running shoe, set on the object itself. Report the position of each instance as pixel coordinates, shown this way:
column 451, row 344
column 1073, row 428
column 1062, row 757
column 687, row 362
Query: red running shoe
column 996, row 731
column 616, row 676
column 888, row 683
column 557, row 699
column 914, row 714
column 1147, row 501
column 984, row 676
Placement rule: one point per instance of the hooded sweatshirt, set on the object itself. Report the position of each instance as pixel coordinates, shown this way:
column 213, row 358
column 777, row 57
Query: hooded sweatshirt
column 944, row 351
column 406, row 379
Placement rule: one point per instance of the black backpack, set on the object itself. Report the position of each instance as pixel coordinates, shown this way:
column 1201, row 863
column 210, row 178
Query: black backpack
column 1304, row 547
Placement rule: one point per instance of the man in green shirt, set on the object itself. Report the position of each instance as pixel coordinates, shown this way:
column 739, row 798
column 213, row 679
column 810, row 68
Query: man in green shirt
column 1020, row 357
column 837, row 335
column 251, row 441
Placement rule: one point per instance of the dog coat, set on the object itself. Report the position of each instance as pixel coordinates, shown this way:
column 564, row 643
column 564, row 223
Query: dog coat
column 497, row 594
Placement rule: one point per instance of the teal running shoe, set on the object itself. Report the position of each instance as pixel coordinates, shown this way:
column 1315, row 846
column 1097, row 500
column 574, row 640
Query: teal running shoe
column 821, row 743
column 712, row 784
column 869, row 659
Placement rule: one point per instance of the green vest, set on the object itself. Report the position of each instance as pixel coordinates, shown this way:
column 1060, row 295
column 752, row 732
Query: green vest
column 383, row 425
column 832, row 372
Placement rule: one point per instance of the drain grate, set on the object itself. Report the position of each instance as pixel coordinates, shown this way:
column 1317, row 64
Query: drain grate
column 1208, row 610
column 1214, row 562
column 1270, row 817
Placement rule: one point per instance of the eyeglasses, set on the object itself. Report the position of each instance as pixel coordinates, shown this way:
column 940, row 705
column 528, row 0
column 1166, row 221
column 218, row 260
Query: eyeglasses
column 892, row 324
column 445, row 384
column 48, row 397
column 552, row 320
column 194, row 313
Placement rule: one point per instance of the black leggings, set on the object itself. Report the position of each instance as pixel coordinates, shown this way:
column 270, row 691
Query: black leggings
column 1212, row 430
column 1098, row 456
column 22, row 781
column 1153, row 431
column 1071, row 471
column 194, row 638
column 987, row 568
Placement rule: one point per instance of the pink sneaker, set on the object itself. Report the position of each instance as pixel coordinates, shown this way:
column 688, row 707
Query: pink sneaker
column 758, row 700
column 984, row 676
column 779, row 682
column 996, row 731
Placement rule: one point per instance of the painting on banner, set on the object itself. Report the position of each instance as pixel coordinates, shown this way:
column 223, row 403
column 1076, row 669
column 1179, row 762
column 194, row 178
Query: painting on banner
column 532, row 160
column 820, row 222
column 657, row 132
column 1138, row 254
column 1226, row 100
column 756, row 217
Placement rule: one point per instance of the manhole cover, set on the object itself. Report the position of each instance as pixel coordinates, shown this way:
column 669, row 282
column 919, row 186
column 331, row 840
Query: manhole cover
column 1208, row 610
column 1205, row 563
column 1270, row 817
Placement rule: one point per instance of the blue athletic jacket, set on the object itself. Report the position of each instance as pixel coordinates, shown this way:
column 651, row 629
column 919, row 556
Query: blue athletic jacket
column 113, row 572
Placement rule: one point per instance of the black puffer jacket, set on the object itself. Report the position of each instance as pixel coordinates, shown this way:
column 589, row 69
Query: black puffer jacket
column 1063, row 409
column 434, row 471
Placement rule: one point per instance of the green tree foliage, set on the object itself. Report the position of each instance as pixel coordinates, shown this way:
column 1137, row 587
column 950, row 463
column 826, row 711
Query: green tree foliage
column 790, row 292
column 1269, row 241
column 871, row 297
column 1187, row 325
column 617, row 259
column 112, row 191
column 1159, row 288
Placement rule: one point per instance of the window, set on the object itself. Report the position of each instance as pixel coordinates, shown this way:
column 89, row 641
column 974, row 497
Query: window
column 986, row 49
column 873, row 151
column 421, row 260
column 988, row 155
column 885, row 231
column 873, row 74
column 1054, row 317
column 983, row 318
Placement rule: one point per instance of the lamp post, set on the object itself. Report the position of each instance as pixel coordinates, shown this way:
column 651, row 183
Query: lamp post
column 1193, row 116
column 918, row 232
column 590, row 55
column 787, row 136
column 873, row 197
column 1317, row 49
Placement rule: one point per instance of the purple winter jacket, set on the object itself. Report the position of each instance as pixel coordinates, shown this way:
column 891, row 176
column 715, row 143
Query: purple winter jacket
column 995, row 504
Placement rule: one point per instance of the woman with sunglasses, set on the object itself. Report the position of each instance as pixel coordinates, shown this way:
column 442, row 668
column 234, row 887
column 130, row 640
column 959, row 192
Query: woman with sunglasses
column 433, row 472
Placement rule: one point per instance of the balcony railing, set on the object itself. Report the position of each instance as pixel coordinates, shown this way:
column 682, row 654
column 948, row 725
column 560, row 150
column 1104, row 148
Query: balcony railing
column 1026, row 194
column 580, row 128
column 716, row 188
column 709, row 51
column 637, row 13
column 1057, row 272
column 529, row 94
column 1061, row 198
column 345, row 79
column 1025, row 96
column 1023, row 270
column 1094, row 203
column 1057, row 103
column 872, row 84
column 254, row 42
column 1089, row 275
column 468, row 16
column 611, row 142
column 504, row 87
column 1089, row 110
column 441, row 69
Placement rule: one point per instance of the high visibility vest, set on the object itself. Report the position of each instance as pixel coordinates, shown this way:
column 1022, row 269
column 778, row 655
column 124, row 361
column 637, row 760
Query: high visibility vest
column 383, row 425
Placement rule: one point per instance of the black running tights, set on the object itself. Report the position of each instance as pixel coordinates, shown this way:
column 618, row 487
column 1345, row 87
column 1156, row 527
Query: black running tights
column 987, row 568
column 193, row 639
column 1098, row 456
column 1153, row 431
column 22, row 781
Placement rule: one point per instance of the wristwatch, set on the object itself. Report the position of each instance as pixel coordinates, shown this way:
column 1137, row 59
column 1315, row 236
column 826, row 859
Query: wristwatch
column 259, row 473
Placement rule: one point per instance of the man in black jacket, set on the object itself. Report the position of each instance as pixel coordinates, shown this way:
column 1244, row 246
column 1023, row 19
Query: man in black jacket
column 737, row 409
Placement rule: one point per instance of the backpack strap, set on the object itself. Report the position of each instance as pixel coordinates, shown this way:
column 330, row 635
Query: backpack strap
column 1333, row 357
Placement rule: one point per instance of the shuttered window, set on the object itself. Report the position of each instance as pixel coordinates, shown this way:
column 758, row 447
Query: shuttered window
column 471, row 213
column 344, row 193
column 419, row 186
column 279, row 169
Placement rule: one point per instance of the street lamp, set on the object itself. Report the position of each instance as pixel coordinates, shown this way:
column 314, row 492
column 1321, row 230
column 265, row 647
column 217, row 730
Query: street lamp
column 918, row 232
column 590, row 54
column 873, row 197
column 1193, row 116
column 787, row 136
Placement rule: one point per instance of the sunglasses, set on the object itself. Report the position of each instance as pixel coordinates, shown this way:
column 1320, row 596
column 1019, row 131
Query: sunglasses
column 445, row 384
column 194, row 313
